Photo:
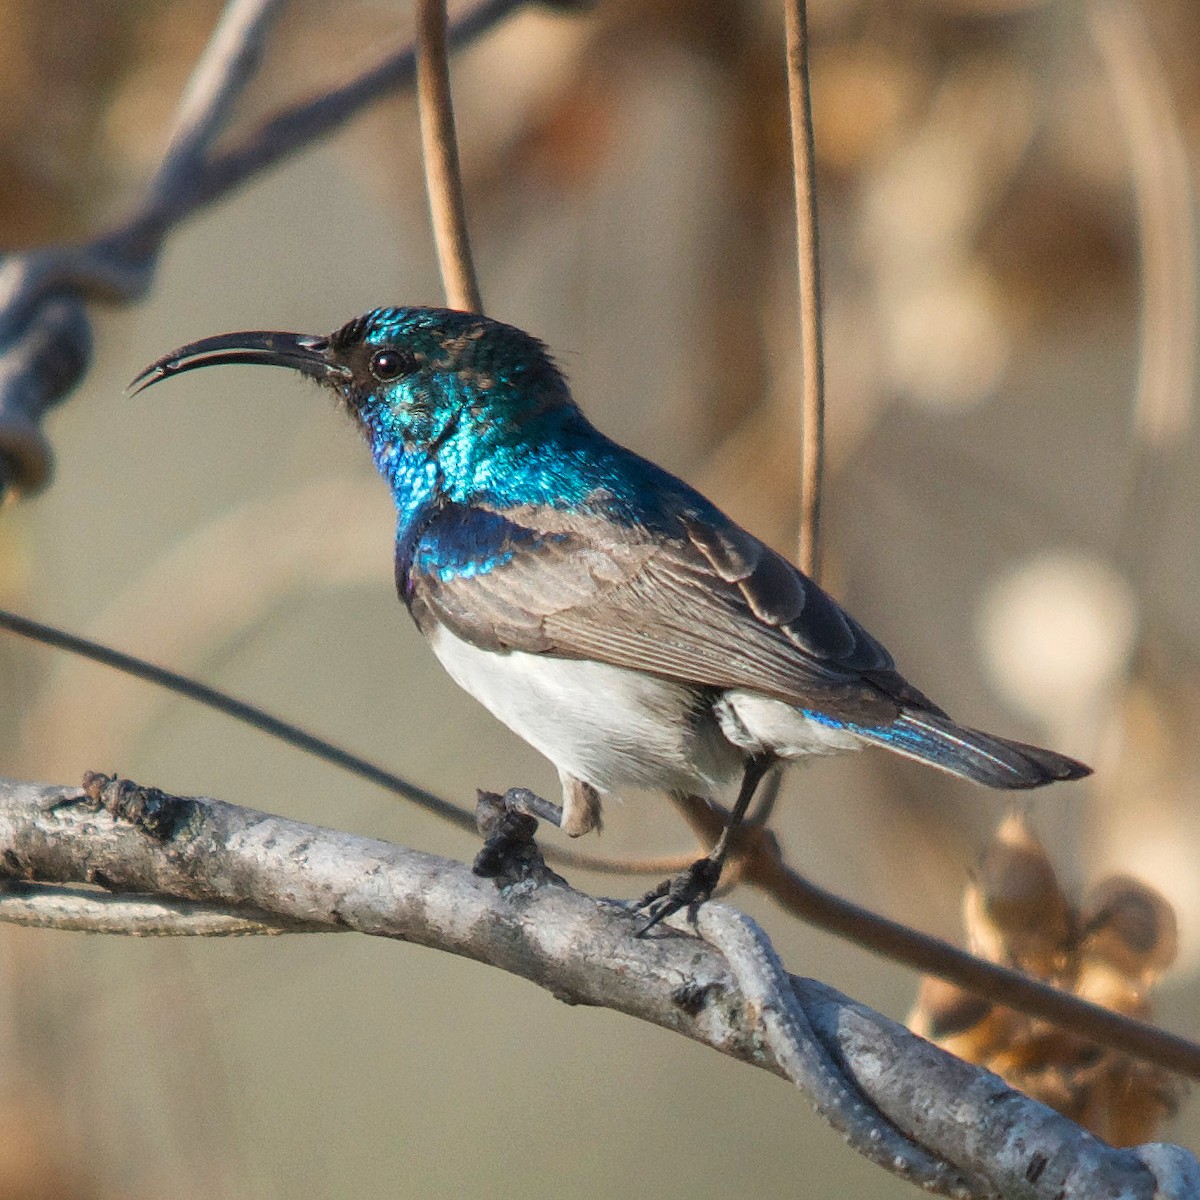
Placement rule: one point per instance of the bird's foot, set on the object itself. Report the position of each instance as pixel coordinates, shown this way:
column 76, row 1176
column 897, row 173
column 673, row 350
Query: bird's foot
column 689, row 889
column 508, row 823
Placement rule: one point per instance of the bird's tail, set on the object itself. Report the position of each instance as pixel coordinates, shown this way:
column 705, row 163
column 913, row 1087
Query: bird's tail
column 933, row 738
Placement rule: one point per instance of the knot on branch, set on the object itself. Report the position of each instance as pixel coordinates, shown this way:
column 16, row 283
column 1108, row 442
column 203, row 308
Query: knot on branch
column 149, row 809
column 509, row 855
column 44, row 350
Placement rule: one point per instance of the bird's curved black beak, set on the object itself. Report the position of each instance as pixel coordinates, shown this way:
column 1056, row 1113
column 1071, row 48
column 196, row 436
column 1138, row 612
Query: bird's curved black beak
column 304, row 352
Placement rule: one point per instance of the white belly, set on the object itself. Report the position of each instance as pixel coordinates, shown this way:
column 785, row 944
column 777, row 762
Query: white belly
column 758, row 724
column 607, row 726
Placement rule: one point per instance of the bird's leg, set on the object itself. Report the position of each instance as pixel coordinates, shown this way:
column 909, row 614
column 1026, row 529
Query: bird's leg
column 766, row 796
column 509, row 822
column 692, row 887
column 580, row 812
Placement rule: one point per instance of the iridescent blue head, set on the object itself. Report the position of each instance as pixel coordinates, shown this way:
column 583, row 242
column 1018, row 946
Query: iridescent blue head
column 434, row 383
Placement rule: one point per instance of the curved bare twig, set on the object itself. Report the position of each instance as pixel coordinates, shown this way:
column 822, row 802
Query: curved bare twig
column 45, row 334
column 763, row 866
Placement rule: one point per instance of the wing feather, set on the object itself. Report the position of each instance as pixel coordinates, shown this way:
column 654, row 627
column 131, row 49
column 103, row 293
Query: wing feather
column 707, row 603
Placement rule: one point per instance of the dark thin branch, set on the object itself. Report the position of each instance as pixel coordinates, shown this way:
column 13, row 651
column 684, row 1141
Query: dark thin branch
column 930, row 1117
column 310, row 743
column 439, row 146
column 240, row 710
column 761, row 864
column 812, row 467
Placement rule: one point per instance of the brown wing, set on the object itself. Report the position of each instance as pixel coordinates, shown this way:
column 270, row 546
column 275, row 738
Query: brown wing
column 711, row 605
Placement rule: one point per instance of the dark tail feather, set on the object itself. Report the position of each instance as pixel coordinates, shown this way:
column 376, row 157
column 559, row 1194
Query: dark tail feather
column 993, row 761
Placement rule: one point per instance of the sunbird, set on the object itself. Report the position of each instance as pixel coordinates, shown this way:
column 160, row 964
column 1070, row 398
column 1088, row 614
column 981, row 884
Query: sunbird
column 600, row 607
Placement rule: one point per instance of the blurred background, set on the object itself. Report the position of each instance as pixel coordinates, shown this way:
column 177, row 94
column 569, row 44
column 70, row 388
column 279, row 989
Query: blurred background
column 1009, row 273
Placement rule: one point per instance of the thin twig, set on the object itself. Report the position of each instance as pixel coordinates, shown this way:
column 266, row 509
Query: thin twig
column 240, row 710
column 439, row 146
column 812, row 467
column 296, row 127
column 1162, row 190
column 1161, row 179
column 310, row 743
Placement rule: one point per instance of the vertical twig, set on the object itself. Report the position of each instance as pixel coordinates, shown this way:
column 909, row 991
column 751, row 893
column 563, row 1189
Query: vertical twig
column 1162, row 191
column 812, row 465
column 443, row 178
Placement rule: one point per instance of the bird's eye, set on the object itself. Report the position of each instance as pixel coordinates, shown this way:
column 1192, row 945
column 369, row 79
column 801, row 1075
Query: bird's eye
column 387, row 365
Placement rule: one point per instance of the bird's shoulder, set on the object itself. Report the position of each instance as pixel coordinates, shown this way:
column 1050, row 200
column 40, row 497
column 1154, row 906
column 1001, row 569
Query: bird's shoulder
column 495, row 575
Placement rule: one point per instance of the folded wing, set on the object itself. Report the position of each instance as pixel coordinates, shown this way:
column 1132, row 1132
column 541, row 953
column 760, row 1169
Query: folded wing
column 701, row 601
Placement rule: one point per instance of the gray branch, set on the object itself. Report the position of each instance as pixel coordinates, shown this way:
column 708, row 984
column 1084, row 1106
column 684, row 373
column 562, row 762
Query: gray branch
column 227, row 65
column 918, row 1111
column 85, row 909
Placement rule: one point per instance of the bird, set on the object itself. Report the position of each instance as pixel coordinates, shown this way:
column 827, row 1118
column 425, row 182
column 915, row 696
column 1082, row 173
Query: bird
column 604, row 610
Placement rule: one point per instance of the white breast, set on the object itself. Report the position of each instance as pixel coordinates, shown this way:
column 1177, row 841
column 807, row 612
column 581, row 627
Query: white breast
column 608, row 726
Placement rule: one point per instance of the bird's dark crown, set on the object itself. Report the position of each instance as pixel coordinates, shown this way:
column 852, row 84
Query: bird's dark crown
column 387, row 345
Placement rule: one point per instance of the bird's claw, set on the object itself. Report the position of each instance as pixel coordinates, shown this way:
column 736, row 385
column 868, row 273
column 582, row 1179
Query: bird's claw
column 689, row 889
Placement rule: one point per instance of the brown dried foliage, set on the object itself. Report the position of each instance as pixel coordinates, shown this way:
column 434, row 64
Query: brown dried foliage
column 1110, row 947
